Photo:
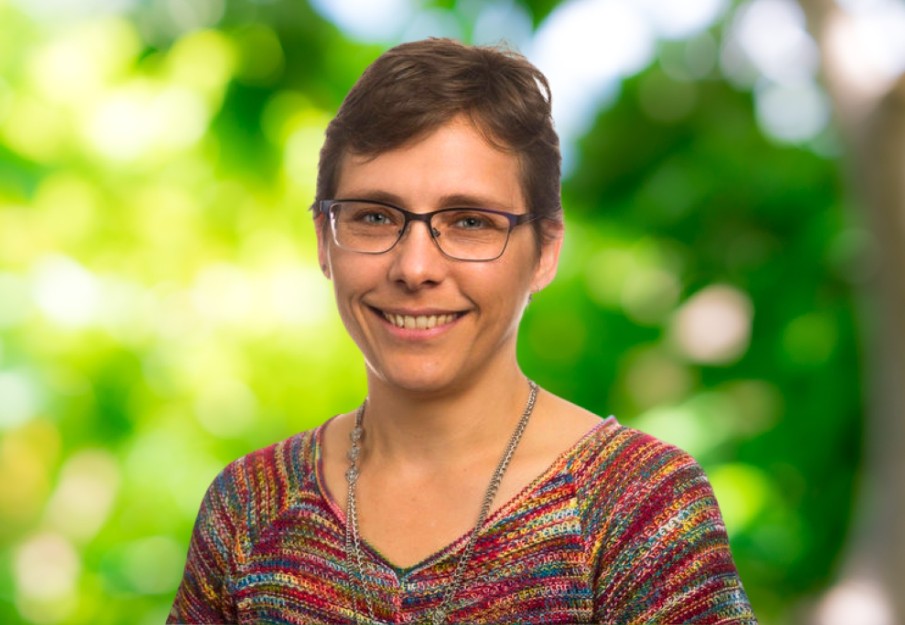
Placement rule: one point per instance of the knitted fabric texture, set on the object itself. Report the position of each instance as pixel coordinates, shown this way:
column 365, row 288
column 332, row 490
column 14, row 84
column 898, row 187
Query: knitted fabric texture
column 621, row 529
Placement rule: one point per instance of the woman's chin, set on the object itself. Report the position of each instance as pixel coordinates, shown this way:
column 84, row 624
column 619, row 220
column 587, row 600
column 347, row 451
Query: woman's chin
column 418, row 381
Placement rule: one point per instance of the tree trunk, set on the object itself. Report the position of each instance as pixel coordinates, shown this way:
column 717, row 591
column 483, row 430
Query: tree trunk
column 870, row 113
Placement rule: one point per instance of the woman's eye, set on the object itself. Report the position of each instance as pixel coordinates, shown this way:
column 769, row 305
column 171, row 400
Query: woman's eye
column 373, row 218
column 472, row 222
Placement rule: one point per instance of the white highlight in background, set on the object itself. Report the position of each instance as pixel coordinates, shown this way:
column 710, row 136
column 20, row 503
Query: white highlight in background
column 714, row 325
column 585, row 48
column 19, row 398
column 84, row 495
column 46, row 568
column 66, row 292
column 679, row 19
column 367, row 20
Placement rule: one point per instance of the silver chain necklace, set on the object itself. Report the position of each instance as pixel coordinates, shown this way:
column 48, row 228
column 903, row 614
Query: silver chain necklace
column 353, row 549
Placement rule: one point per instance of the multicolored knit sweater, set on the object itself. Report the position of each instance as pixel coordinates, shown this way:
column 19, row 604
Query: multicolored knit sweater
column 621, row 529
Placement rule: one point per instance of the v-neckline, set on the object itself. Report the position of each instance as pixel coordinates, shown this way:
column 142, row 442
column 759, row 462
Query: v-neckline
column 553, row 469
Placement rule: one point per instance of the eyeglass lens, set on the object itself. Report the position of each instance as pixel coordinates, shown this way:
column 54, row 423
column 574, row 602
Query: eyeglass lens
column 462, row 233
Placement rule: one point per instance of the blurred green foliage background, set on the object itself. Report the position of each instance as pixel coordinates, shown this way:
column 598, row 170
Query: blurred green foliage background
column 162, row 313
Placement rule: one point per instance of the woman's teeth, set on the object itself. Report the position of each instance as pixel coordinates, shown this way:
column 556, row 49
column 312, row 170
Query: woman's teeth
column 420, row 322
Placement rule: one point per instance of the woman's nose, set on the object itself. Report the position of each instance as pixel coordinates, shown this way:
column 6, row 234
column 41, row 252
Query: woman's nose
column 417, row 259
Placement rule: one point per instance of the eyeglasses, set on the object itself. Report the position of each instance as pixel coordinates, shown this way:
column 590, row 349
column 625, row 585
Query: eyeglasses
column 470, row 234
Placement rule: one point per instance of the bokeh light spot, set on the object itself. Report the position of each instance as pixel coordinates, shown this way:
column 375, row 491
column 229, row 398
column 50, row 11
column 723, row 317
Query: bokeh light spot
column 757, row 405
column 650, row 295
column 763, row 37
column 60, row 10
column 430, row 22
column 79, row 65
column 699, row 424
column 15, row 301
column 285, row 111
column 793, row 113
column 743, row 492
column 26, row 455
column 667, row 100
column 301, row 152
column 366, row 20
column 34, row 128
column 502, row 21
column 66, row 292
column 6, row 98
column 878, row 26
column 190, row 16
column 46, row 570
column 84, row 494
column 145, row 119
column 677, row 20
column 695, row 59
column 678, row 425
column 860, row 599
column 19, row 398
column 261, row 61
column 653, row 378
column 226, row 407
column 153, row 565
column 300, row 296
column 585, row 47
column 224, row 294
column 606, row 273
column 810, row 339
column 204, row 61
column 714, row 325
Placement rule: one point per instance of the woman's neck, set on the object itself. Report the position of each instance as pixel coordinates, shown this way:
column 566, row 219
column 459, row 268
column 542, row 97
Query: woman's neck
column 440, row 428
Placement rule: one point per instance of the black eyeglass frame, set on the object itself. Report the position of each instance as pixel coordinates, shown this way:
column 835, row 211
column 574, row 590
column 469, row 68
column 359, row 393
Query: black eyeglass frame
column 324, row 207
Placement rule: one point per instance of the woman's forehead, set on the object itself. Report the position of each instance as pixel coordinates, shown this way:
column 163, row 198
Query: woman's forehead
column 454, row 162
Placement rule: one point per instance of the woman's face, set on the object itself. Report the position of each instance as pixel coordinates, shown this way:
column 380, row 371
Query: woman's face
column 425, row 322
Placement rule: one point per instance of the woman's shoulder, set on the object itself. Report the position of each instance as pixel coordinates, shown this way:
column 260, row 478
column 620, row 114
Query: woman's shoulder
column 281, row 455
column 625, row 462
column 615, row 444
column 265, row 477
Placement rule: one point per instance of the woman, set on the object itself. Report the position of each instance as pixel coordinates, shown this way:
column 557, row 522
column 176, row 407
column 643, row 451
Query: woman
column 458, row 492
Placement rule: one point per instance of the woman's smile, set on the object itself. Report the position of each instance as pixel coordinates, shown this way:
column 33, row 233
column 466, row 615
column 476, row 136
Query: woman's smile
column 419, row 321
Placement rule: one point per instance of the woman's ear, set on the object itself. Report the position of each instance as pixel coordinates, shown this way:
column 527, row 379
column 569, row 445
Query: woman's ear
column 548, row 259
column 323, row 252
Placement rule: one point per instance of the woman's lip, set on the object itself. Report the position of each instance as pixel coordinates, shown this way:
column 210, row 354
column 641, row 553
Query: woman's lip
column 414, row 312
column 420, row 320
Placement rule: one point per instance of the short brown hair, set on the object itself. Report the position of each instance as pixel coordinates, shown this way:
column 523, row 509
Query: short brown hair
column 415, row 88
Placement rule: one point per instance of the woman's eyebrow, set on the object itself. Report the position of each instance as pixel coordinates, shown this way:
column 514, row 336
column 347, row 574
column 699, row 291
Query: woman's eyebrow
column 374, row 195
column 451, row 200
column 468, row 200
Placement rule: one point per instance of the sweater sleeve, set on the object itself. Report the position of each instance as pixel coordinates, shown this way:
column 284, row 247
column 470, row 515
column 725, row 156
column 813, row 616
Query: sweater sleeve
column 204, row 595
column 665, row 557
